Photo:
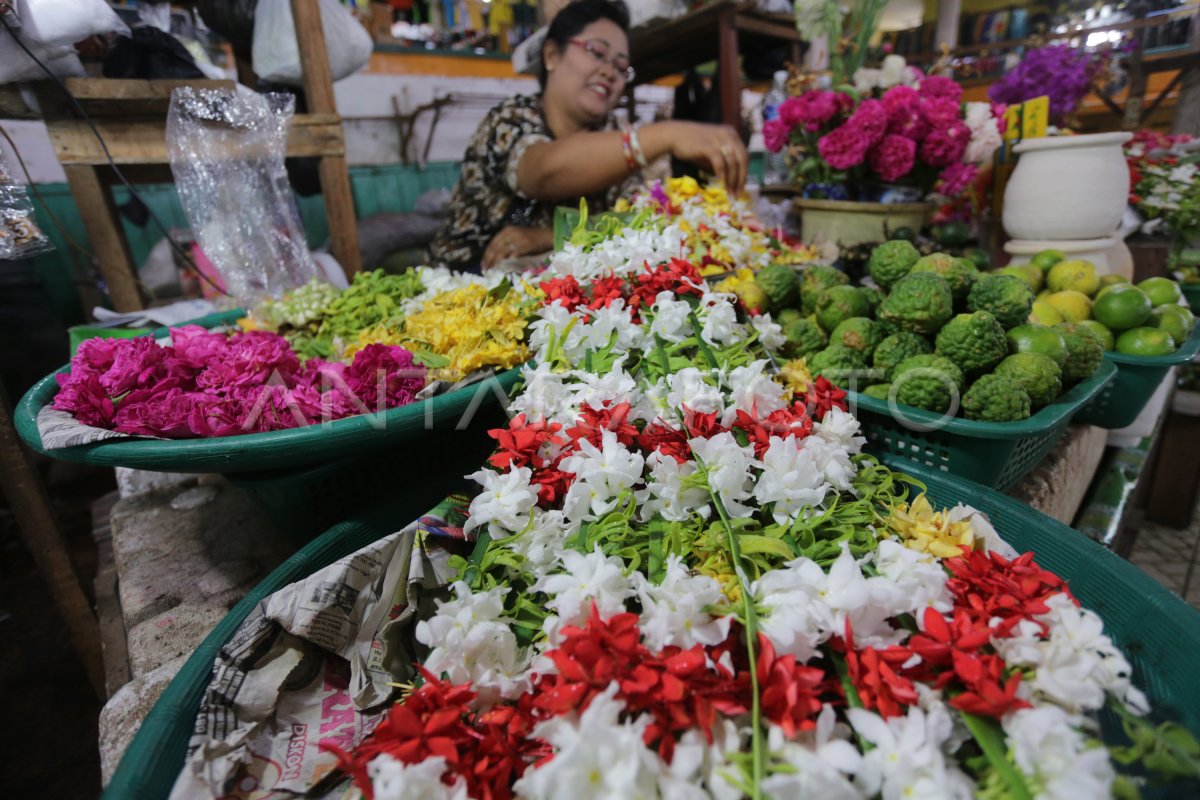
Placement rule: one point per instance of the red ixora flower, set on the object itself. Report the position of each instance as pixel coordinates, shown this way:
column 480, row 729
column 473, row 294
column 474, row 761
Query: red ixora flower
column 565, row 290
column 595, row 421
column 988, row 586
column 488, row 751
column 784, row 423
column 821, row 397
column 657, row 437
column 521, row 443
column 988, row 693
column 701, row 426
column 790, row 692
column 876, row 675
column 677, row 276
column 680, row 689
column 605, row 290
column 552, row 484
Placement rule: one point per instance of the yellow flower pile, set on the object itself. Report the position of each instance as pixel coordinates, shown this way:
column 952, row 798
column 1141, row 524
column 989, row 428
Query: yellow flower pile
column 467, row 325
column 927, row 531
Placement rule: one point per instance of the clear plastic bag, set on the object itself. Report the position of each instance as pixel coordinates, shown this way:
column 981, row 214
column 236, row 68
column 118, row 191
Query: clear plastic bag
column 62, row 22
column 20, row 237
column 276, row 55
column 226, row 149
column 16, row 65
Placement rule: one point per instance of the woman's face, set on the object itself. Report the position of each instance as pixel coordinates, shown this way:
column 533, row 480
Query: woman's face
column 587, row 76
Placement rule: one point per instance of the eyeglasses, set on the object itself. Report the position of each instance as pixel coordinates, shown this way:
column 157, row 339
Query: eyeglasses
column 599, row 50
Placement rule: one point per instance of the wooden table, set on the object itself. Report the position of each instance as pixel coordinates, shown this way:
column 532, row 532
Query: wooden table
column 718, row 31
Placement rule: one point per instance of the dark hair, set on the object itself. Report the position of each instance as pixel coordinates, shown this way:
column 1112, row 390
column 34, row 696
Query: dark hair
column 574, row 17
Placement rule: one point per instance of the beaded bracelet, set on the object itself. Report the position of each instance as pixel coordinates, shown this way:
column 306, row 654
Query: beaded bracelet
column 627, row 149
column 636, row 146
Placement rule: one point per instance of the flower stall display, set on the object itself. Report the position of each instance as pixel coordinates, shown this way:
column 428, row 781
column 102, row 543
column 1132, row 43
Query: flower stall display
column 688, row 581
column 1164, row 177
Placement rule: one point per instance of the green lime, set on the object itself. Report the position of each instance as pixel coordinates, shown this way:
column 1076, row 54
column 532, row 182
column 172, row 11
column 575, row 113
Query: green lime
column 904, row 233
column 1145, row 342
column 1175, row 320
column 952, row 234
column 1046, row 259
column 1102, row 333
column 1042, row 339
column 1162, row 291
column 979, row 258
column 1111, row 279
column 1121, row 307
column 1044, row 314
column 1077, row 275
column 1027, row 275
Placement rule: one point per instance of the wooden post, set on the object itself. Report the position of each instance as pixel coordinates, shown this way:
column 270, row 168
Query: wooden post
column 1187, row 107
column 335, row 179
column 1136, row 96
column 39, row 530
column 103, row 226
column 728, row 71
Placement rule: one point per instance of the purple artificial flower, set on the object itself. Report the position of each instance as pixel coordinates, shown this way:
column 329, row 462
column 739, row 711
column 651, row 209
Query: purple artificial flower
column 1059, row 71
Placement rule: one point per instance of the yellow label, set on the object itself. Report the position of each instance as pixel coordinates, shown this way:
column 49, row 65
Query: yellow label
column 1012, row 127
column 1035, row 117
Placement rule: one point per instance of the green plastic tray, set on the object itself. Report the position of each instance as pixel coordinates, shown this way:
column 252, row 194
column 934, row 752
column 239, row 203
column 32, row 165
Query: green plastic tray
column 256, row 452
column 1119, row 404
column 993, row 454
column 303, row 502
column 1159, row 633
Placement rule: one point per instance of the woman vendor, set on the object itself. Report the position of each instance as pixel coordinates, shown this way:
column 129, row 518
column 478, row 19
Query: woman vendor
column 532, row 153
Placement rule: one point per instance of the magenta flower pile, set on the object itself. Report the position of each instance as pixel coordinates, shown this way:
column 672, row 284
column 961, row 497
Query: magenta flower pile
column 207, row 384
column 924, row 137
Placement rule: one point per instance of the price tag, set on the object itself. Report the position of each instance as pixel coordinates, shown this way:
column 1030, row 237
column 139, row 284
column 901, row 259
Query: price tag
column 1035, row 115
column 1012, row 126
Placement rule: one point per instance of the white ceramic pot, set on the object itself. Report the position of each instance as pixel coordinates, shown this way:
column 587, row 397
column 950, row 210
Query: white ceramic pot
column 1109, row 254
column 1067, row 187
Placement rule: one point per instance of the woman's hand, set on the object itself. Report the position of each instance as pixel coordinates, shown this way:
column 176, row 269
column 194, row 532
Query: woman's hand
column 716, row 148
column 515, row 241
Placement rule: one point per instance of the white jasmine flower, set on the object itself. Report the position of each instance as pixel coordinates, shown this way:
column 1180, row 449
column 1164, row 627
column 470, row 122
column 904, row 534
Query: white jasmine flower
column 1048, row 747
column 601, row 475
column 792, row 613
column 720, row 321
column 984, row 532
column 907, row 760
column 770, row 332
column 673, row 611
column 690, row 389
column 556, row 324
column 699, row 770
column 728, row 465
column 545, row 396
column 917, row 580
column 504, row 503
column 822, row 762
column 842, row 429
column 542, row 540
column 587, row 580
column 597, row 757
column 867, row 79
column 472, row 643
column 753, row 391
column 665, row 494
column 833, row 460
column 614, row 320
column 790, row 480
column 614, row 387
column 395, row 780
column 671, row 323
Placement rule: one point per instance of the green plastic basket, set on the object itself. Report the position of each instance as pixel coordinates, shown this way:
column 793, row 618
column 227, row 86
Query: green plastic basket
column 1159, row 633
column 993, row 454
column 1192, row 292
column 277, row 450
column 302, row 503
column 1138, row 377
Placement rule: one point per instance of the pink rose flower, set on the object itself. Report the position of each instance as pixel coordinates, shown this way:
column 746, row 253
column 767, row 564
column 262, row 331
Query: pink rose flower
column 811, row 109
column 385, row 367
column 894, row 157
column 999, row 111
column 162, row 414
column 871, row 117
column 940, row 112
column 95, row 355
column 937, row 86
column 903, row 108
column 775, row 135
column 844, row 147
column 83, row 396
column 137, row 363
column 956, row 179
column 943, row 146
column 196, row 347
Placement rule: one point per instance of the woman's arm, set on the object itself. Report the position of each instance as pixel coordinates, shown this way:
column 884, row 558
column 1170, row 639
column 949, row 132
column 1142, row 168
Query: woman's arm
column 589, row 162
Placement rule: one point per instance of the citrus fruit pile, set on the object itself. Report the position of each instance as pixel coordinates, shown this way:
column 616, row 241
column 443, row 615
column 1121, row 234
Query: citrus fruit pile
column 1142, row 320
column 934, row 333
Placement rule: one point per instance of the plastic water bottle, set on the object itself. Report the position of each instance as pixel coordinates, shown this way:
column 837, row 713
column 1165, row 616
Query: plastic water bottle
column 775, row 168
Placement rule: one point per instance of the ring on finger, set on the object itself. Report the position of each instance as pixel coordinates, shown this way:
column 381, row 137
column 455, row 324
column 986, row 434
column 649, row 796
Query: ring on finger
column 724, row 149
